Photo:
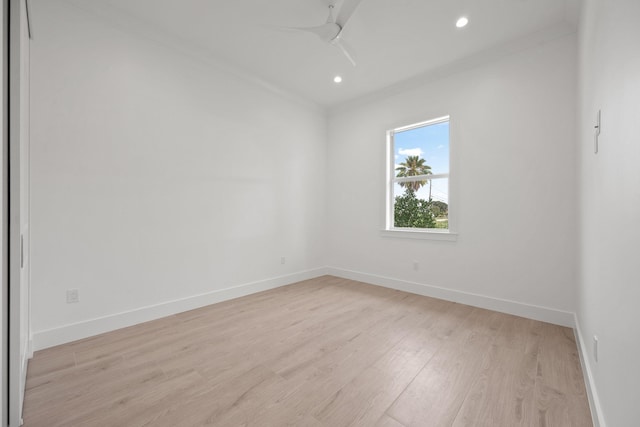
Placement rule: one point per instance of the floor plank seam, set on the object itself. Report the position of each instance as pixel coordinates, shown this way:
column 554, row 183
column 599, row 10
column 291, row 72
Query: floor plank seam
column 391, row 416
column 410, row 382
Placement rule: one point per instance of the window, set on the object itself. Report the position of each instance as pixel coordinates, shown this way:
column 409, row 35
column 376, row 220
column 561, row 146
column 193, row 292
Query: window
column 418, row 178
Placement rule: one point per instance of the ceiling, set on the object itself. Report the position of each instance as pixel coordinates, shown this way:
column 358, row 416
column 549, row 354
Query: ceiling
column 394, row 40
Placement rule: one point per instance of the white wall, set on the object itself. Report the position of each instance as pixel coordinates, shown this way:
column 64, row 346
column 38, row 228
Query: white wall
column 157, row 176
column 610, row 204
column 513, row 181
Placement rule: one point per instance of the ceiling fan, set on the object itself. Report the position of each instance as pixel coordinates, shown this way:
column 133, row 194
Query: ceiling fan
column 331, row 31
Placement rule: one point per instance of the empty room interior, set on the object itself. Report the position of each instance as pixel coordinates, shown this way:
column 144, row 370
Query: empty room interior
column 404, row 213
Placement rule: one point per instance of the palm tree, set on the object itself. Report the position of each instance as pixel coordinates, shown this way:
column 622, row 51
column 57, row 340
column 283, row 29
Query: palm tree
column 413, row 166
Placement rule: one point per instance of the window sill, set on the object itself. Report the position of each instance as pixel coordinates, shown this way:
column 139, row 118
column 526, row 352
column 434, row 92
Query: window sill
column 421, row 234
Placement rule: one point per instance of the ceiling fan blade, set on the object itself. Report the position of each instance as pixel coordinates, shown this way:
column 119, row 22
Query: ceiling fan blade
column 346, row 49
column 346, row 11
column 326, row 32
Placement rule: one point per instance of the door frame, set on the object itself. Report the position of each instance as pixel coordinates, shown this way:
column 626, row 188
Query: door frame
column 18, row 213
column 4, row 215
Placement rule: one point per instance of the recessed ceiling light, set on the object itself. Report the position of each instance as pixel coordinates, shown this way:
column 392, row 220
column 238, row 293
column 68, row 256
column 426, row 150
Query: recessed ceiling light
column 337, row 79
column 462, row 22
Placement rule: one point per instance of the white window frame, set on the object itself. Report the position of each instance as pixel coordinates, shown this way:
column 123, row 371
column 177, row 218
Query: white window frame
column 391, row 179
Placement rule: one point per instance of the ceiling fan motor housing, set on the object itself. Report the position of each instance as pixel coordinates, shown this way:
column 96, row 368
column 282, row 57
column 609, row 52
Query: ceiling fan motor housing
column 328, row 31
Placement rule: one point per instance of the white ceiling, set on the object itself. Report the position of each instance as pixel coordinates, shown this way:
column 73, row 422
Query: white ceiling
column 395, row 40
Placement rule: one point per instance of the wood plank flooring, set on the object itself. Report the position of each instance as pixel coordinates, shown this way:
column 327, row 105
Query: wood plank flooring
column 324, row 352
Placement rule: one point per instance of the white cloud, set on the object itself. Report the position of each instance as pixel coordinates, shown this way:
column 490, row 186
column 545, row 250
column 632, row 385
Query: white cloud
column 440, row 146
column 411, row 151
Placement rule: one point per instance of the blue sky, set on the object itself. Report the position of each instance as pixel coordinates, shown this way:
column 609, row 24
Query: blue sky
column 432, row 144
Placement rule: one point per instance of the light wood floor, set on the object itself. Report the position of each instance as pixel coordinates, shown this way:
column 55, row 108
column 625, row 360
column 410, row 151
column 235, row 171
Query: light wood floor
column 324, row 352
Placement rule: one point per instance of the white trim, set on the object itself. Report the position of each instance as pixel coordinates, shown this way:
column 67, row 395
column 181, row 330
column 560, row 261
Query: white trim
column 592, row 394
column 19, row 317
column 76, row 331
column 132, row 25
column 72, row 332
column 392, row 179
column 421, row 178
column 480, row 59
column 4, row 217
column 428, row 234
column 389, row 176
column 435, row 121
column 535, row 312
column 30, row 347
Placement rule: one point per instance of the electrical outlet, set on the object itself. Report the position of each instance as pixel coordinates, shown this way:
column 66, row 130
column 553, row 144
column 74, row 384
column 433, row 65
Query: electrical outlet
column 283, row 260
column 595, row 348
column 72, row 296
column 416, row 265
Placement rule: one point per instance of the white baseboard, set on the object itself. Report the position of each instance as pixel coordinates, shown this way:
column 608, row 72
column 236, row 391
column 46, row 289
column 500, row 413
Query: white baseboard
column 76, row 331
column 544, row 314
column 72, row 332
column 30, row 347
column 594, row 401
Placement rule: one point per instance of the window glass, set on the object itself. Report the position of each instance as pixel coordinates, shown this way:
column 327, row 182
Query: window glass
column 419, row 183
